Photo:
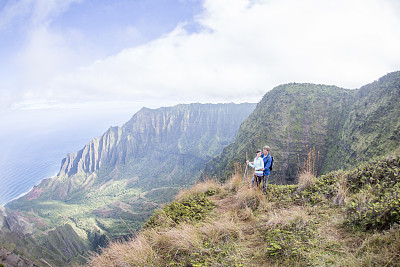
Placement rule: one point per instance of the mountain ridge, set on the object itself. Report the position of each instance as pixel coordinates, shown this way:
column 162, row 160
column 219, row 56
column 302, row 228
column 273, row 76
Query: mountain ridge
column 108, row 154
column 338, row 123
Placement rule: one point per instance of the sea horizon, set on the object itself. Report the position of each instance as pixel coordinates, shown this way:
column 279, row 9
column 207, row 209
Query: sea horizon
column 34, row 142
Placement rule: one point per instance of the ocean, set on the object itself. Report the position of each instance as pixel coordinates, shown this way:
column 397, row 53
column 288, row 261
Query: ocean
column 34, row 142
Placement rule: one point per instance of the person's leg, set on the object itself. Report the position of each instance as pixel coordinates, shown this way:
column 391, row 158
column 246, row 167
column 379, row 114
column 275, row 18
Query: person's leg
column 257, row 180
column 265, row 183
column 262, row 181
column 252, row 181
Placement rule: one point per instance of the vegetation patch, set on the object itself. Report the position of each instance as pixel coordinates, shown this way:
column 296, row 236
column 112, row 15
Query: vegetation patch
column 191, row 208
column 375, row 203
column 291, row 241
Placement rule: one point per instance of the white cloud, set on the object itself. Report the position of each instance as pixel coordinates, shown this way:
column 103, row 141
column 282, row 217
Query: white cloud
column 244, row 49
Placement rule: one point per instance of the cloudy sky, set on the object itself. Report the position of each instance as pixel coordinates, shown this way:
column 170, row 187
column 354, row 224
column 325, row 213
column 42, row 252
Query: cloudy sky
column 71, row 53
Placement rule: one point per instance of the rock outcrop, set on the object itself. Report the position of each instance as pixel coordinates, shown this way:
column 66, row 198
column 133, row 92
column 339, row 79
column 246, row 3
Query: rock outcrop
column 9, row 259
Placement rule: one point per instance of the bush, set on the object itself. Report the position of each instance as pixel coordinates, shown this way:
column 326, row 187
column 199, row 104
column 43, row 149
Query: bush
column 374, row 212
column 376, row 202
column 190, row 208
column 290, row 241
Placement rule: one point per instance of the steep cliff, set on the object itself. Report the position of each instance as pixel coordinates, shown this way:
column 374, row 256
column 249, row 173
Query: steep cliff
column 110, row 187
column 288, row 118
column 344, row 126
column 370, row 127
column 161, row 147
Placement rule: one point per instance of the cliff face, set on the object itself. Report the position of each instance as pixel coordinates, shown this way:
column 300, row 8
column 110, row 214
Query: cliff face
column 156, row 146
column 370, row 127
column 344, row 126
column 287, row 119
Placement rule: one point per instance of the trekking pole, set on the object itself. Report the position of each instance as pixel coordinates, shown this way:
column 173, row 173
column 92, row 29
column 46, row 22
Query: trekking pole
column 245, row 171
column 247, row 174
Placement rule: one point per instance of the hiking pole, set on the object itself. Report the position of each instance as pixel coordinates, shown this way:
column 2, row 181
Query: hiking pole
column 245, row 171
column 247, row 174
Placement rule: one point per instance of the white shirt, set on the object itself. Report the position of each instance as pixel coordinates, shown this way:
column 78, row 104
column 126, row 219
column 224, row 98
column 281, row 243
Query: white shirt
column 258, row 164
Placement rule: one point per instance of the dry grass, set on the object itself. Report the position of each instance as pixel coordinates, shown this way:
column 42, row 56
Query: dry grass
column 137, row 252
column 186, row 239
column 341, row 196
column 234, row 183
column 234, row 234
column 199, row 188
column 221, row 229
column 307, row 172
column 379, row 249
column 306, row 179
column 285, row 216
column 182, row 238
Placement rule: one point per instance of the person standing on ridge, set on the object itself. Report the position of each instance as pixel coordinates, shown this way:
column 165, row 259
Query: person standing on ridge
column 267, row 164
column 258, row 165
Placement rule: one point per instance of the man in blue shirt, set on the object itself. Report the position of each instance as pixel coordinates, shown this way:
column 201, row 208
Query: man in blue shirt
column 267, row 164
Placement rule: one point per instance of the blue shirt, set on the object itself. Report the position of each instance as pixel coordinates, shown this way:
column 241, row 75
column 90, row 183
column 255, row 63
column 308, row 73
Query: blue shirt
column 267, row 163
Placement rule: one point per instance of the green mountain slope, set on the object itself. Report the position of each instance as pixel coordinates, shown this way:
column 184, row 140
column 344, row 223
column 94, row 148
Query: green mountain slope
column 371, row 126
column 344, row 126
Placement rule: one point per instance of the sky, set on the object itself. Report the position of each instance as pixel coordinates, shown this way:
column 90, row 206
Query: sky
column 101, row 53
column 69, row 69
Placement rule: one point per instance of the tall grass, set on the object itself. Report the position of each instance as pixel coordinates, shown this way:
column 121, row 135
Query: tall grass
column 307, row 172
column 208, row 186
column 342, row 189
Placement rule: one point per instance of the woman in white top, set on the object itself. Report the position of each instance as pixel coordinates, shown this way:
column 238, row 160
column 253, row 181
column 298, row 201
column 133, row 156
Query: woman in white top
column 258, row 165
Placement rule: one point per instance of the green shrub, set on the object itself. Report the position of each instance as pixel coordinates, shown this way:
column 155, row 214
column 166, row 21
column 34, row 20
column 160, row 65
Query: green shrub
column 191, row 208
column 376, row 195
column 291, row 241
column 374, row 211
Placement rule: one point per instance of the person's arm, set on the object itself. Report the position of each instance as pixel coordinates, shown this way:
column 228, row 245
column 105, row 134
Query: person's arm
column 252, row 163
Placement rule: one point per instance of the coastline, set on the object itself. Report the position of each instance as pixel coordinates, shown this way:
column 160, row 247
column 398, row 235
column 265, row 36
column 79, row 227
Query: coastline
column 23, row 194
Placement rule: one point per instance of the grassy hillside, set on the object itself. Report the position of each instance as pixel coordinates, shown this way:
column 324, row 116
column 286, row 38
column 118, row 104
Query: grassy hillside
column 343, row 218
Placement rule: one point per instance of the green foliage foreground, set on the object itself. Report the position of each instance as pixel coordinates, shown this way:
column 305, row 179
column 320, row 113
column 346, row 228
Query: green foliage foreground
column 344, row 218
column 191, row 208
column 370, row 194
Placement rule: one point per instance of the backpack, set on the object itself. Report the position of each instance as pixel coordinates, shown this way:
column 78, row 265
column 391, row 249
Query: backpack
column 272, row 163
